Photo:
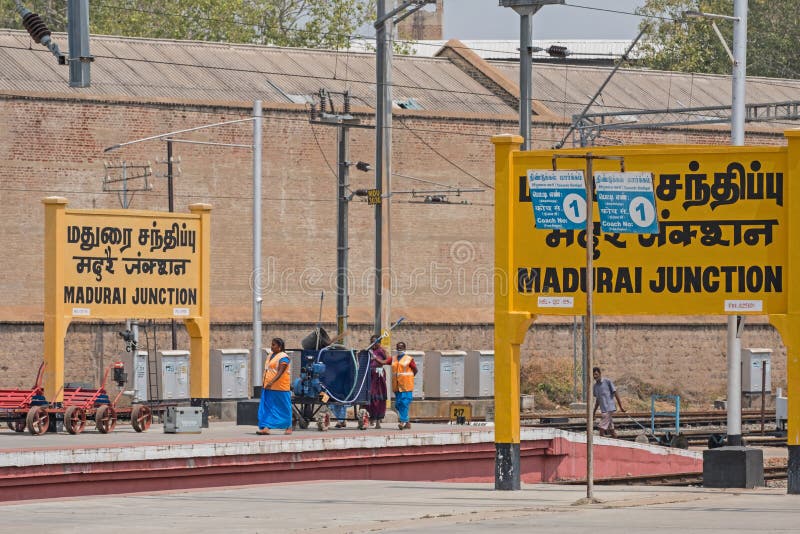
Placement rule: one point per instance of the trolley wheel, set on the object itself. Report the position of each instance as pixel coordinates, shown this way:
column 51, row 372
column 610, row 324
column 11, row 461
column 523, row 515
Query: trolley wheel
column 141, row 418
column 363, row 419
column 679, row 441
column 38, row 420
column 75, row 419
column 105, row 418
column 323, row 421
column 17, row 425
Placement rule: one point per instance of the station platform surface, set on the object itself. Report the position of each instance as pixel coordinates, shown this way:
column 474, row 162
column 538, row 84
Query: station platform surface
column 62, row 465
column 337, row 507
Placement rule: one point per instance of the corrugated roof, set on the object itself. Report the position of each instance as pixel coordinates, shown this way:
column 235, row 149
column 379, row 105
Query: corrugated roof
column 129, row 67
column 190, row 70
column 566, row 89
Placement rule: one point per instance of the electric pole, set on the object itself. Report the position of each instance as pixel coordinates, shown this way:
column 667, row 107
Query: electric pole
column 328, row 116
column 170, row 175
column 384, row 33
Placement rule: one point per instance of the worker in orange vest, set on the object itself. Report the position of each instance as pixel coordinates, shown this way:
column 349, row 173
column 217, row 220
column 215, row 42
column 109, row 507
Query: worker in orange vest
column 403, row 371
column 275, row 408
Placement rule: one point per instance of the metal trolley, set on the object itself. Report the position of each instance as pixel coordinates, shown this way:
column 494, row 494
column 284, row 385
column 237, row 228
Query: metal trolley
column 330, row 376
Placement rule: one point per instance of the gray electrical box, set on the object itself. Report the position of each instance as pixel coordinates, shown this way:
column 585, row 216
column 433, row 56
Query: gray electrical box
column 136, row 368
column 229, row 373
column 294, row 365
column 479, row 377
column 183, row 420
column 174, row 368
column 445, row 377
column 419, row 361
column 753, row 361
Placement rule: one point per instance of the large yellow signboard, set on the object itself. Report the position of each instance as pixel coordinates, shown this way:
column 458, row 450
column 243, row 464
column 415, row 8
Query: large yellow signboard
column 721, row 246
column 126, row 264
column 727, row 244
column 130, row 263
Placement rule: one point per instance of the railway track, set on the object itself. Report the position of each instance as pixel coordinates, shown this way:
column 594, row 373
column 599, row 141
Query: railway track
column 697, row 426
column 675, row 479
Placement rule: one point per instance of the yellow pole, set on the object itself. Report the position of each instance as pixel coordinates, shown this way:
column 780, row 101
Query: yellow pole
column 199, row 327
column 509, row 327
column 789, row 325
column 56, row 320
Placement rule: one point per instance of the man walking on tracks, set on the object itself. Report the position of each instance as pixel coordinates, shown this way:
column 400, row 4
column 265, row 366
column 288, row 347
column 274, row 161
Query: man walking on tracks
column 403, row 371
column 604, row 394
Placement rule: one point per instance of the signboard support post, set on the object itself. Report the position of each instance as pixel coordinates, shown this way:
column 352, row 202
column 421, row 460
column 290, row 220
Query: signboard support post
column 56, row 320
column 509, row 328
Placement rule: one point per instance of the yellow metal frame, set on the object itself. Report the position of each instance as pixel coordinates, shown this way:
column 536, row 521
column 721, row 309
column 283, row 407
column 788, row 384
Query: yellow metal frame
column 58, row 315
column 514, row 314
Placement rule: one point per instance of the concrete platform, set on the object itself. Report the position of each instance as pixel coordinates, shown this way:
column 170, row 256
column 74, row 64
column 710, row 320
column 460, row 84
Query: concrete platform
column 404, row 507
column 57, row 465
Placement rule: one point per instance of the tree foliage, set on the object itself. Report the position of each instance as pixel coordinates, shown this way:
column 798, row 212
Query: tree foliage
column 673, row 42
column 298, row 23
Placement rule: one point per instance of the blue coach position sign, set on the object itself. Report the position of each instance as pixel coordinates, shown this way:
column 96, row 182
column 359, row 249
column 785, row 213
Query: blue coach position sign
column 626, row 202
column 559, row 199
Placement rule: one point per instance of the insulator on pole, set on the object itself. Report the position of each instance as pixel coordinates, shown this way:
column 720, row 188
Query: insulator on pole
column 39, row 31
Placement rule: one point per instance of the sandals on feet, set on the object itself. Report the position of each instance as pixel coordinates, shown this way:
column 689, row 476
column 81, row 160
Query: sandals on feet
column 263, row 432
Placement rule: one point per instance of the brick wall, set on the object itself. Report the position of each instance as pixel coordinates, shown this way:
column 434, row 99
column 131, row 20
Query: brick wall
column 441, row 253
column 684, row 357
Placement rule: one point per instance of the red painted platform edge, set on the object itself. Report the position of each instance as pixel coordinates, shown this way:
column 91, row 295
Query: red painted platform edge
column 541, row 461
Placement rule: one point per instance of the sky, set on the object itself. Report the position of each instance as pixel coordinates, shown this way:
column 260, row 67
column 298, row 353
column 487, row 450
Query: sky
column 485, row 19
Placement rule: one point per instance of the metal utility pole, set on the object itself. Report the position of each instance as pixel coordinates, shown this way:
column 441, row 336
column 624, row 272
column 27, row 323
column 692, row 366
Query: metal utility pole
column 384, row 32
column 171, row 207
column 255, row 359
column 736, row 322
column 80, row 59
column 526, row 9
column 343, row 121
column 383, row 154
column 342, row 245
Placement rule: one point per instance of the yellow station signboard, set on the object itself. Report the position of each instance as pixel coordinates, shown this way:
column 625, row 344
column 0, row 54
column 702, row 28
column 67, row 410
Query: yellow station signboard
column 130, row 264
column 726, row 245
column 121, row 264
column 721, row 246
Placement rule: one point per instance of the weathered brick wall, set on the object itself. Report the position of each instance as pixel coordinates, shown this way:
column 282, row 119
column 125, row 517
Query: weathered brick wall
column 441, row 253
column 682, row 357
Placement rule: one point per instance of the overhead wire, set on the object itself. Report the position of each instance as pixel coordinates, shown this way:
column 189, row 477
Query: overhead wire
column 449, row 91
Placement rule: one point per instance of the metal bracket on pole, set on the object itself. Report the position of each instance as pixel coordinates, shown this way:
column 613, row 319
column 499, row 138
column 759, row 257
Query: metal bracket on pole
column 739, row 326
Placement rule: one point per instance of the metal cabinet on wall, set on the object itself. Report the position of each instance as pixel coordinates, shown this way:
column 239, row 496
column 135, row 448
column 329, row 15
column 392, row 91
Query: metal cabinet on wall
column 753, row 361
column 229, row 373
column 445, row 377
column 479, row 377
column 174, row 368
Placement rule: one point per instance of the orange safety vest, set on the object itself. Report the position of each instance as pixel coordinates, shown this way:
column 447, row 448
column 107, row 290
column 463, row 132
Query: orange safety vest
column 271, row 369
column 402, row 375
